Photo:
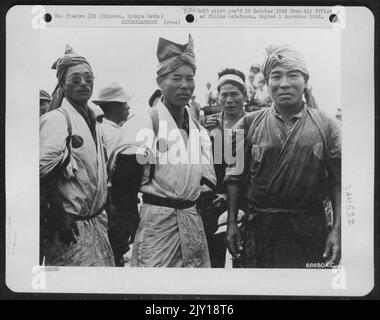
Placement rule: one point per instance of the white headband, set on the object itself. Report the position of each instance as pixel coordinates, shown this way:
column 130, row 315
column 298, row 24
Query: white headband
column 231, row 77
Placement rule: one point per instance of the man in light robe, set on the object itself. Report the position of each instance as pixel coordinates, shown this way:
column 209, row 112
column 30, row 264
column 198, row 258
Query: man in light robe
column 72, row 164
column 292, row 163
column 170, row 232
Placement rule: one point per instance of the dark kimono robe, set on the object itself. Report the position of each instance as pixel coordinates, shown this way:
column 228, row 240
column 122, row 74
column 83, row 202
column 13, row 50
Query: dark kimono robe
column 288, row 172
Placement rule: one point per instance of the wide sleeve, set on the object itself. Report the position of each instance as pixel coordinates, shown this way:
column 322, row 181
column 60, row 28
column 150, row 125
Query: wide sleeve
column 137, row 138
column 335, row 152
column 207, row 159
column 53, row 134
column 136, row 135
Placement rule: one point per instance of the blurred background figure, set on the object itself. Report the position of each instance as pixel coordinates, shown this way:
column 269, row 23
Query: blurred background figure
column 195, row 108
column 252, row 87
column 338, row 115
column 207, row 95
column 210, row 104
column 262, row 97
column 44, row 101
column 155, row 97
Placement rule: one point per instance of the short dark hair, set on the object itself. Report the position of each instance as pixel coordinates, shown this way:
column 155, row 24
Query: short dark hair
column 235, row 72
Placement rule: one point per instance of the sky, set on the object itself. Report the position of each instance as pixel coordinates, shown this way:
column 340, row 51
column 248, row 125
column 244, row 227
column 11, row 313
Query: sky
column 128, row 56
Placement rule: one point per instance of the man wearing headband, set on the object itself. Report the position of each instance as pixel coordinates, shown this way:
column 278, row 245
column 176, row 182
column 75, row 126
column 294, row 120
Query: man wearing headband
column 73, row 170
column 232, row 94
column 170, row 232
column 292, row 163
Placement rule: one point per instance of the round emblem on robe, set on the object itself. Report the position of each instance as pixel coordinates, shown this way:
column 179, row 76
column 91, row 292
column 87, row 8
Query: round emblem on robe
column 162, row 145
column 76, row 141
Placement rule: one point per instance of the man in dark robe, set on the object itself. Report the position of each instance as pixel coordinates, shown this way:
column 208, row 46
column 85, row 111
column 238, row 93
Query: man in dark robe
column 292, row 163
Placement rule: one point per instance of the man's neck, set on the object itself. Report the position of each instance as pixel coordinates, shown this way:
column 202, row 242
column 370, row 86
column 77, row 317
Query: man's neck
column 233, row 118
column 81, row 105
column 178, row 113
column 289, row 111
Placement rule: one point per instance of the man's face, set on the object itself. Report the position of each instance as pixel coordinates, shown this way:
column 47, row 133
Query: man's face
column 178, row 86
column 286, row 86
column 124, row 111
column 231, row 99
column 78, row 83
column 44, row 104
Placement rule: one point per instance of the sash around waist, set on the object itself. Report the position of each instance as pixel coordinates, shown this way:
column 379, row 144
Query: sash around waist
column 87, row 218
column 256, row 210
column 166, row 202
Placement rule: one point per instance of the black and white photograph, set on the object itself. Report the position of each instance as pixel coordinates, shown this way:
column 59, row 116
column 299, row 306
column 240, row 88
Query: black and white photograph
column 197, row 150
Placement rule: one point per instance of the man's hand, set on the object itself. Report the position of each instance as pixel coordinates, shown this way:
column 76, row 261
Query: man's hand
column 332, row 252
column 67, row 229
column 211, row 122
column 234, row 241
column 132, row 224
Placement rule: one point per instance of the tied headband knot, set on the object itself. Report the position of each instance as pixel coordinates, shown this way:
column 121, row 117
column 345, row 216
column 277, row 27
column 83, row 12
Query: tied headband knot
column 291, row 59
column 284, row 56
column 172, row 55
column 69, row 59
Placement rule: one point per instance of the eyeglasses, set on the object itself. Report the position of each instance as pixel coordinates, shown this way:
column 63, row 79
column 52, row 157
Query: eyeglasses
column 77, row 78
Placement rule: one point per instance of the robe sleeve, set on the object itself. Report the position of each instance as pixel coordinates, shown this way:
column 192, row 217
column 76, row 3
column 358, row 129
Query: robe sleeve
column 53, row 134
column 335, row 151
column 136, row 138
column 209, row 176
column 137, row 135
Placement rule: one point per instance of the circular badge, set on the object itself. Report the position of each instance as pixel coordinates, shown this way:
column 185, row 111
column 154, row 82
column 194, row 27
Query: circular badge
column 76, row 141
column 162, row 145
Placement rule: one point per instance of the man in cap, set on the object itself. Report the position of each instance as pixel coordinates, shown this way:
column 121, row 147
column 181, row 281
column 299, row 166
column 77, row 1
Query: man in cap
column 292, row 163
column 114, row 103
column 44, row 102
column 72, row 165
column 170, row 232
